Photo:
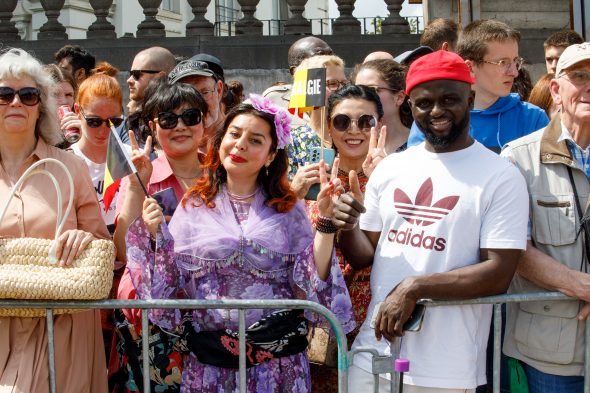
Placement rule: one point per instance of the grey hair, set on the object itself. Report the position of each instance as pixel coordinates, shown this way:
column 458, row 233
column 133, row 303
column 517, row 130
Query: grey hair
column 17, row 63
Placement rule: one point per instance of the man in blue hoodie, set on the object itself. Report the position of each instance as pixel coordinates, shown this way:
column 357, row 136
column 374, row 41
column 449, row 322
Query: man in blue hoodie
column 490, row 49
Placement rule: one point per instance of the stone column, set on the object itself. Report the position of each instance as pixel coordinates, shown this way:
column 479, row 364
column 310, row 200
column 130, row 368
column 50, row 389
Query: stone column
column 297, row 24
column 199, row 25
column 150, row 26
column 346, row 23
column 394, row 23
column 8, row 30
column 101, row 28
column 249, row 25
column 52, row 29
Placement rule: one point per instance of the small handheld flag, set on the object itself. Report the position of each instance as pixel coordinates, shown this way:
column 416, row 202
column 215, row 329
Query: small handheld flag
column 118, row 165
column 309, row 90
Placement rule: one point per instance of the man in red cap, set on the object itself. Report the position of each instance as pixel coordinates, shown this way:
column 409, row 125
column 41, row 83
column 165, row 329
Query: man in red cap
column 446, row 219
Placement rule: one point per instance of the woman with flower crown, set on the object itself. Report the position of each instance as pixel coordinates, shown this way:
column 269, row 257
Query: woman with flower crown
column 240, row 233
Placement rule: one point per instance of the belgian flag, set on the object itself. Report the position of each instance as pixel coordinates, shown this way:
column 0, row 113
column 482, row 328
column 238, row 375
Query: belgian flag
column 308, row 90
column 118, row 165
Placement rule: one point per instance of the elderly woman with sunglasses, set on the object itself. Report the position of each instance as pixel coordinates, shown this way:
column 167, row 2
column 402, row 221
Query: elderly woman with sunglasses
column 100, row 102
column 174, row 113
column 29, row 129
column 241, row 233
column 354, row 115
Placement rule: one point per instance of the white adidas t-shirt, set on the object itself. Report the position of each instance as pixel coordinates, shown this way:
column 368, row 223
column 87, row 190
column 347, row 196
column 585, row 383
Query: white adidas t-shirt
column 435, row 212
column 97, row 174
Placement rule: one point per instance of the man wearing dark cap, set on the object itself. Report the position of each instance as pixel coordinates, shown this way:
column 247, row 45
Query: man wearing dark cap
column 301, row 49
column 445, row 219
column 209, row 83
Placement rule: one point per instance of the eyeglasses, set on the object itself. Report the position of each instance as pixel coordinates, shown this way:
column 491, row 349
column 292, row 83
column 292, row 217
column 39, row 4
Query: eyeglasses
column 505, row 64
column 95, row 121
column 205, row 92
column 578, row 77
column 136, row 74
column 29, row 96
column 168, row 120
column 342, row 122
column 380, row 88
column 334, row 84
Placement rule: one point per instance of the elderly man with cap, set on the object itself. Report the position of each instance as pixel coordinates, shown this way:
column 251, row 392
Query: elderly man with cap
column 205, row 73
column 548, row 337
column 445, row 219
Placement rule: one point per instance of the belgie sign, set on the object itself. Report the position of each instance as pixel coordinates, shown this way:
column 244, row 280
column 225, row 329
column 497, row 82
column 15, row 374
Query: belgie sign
column 309, row 89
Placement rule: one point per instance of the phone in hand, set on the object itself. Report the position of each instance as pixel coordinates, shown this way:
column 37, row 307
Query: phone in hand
column 167, row 200
column 413, row 324
column 329, row 155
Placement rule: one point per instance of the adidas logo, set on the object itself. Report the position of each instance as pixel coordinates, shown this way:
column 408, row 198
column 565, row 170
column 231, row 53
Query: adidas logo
column 423, row 212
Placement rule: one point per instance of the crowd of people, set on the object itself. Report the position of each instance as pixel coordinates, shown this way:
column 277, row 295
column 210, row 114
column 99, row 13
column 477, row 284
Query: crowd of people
column 441, row 173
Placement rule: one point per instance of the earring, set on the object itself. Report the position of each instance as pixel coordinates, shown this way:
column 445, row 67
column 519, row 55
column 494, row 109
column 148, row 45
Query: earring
column 266, row 170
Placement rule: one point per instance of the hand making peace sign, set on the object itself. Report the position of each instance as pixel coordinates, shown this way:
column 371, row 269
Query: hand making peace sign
column 376, row 150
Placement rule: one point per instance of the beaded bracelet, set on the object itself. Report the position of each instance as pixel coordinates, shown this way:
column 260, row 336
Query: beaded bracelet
column 325, row 225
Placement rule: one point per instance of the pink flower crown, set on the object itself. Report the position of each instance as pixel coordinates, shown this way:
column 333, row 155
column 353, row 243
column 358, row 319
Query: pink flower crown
column 281, row 116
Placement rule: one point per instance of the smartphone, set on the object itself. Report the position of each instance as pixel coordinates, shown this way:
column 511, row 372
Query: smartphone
column 167, row 200
column 329, row 155
column 413, row 324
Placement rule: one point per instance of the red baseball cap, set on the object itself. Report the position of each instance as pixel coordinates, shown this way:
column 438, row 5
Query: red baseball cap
column 438, row 65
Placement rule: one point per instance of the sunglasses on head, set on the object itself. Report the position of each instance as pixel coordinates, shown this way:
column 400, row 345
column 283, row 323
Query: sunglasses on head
column 168, row 120
column 27, row 95
column 136, row 74
column 95, row 121
column 343, row 122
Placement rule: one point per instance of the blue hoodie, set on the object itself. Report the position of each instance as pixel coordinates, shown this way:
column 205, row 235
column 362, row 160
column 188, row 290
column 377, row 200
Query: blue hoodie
column 508, row 119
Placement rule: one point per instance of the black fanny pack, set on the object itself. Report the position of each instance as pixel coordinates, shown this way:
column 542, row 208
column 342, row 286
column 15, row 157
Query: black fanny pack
column 282, row 333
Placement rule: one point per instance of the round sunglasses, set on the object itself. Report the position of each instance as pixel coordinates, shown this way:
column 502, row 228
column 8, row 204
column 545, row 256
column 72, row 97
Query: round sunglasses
column 29, row 96
column 342, row 122
column 168, row 120
column 95, row 121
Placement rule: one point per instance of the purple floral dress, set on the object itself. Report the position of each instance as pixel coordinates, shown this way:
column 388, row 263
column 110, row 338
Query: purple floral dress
column 207, row 253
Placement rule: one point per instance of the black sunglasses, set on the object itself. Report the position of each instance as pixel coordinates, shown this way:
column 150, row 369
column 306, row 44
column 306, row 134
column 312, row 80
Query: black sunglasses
column 29, row 96
column 168, row 120
column 342, row 122
column 136, row 74
column 95, row 122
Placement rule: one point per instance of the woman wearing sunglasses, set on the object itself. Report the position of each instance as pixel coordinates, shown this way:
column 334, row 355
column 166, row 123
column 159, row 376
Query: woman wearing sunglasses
column 100, row 101
column 241, row 233
column 388, row 78
column 354, row 115
column 174, row 113
column 29, row 130
column 303, row 169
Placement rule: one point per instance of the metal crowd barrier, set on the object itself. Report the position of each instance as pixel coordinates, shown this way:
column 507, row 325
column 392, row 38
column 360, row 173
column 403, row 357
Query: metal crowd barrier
column 381, row 364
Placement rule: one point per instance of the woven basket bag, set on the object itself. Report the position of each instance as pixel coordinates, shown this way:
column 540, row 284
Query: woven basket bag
column 28, row 268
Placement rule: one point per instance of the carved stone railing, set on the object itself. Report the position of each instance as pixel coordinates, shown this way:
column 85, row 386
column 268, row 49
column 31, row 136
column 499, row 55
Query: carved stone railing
column 248, row 25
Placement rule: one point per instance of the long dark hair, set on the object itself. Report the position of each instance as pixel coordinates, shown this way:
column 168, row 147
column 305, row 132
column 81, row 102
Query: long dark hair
column 355, row 92
column 394, row 75
column 275, row 185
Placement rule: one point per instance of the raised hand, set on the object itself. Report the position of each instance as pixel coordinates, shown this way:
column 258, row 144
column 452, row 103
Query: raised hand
column 330, row 189
column 349, row 206
column 376, row 150
column 152, row 215
column 141, row 159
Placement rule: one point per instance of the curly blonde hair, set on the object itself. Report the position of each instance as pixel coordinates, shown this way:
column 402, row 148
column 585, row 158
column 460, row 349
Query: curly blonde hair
column 16, row 63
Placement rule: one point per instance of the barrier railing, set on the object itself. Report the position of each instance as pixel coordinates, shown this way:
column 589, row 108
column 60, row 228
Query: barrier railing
column 240, row 305
column 381, row 364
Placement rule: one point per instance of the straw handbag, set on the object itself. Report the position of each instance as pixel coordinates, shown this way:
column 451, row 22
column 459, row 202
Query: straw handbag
column 28, row 268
